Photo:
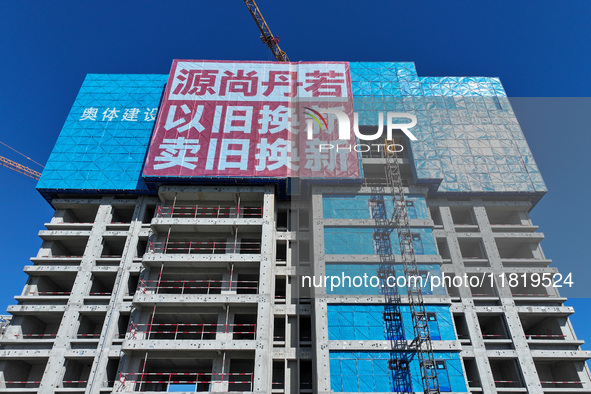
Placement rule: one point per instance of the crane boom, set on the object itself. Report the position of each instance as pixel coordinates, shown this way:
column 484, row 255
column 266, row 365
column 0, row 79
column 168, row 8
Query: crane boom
column 19, row 168
column 266, row 35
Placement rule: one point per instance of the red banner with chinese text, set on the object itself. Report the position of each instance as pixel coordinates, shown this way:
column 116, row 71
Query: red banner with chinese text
column 253, row 119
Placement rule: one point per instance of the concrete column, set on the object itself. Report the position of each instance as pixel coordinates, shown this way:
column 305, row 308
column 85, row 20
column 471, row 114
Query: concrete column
column 321, row 374
column 98, row 373
column 468, row 307
column 52, row 378
column 264, row 338
column 524, row 358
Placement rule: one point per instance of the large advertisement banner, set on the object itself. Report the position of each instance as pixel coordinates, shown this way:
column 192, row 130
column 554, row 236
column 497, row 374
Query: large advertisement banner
column 253, row 119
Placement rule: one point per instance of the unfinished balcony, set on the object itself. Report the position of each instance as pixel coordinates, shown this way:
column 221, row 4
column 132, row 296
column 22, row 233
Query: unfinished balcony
column 204, row 249
column 443, row 250
column 278, row 377
column 560, row 376
column 481, row 285
column 506, row 374
column 211, row 212
column 65, row 249
column 547, row 331
column 175, row 374
column 76, row 374
column 40, row 329
column 121, row 215
column 213, row 197
column 472, row 252
column 279, row 330
column 521, row 252
column 112, row 251
column 101, row 289
column 201, row 283
column 533, row 286
column 209, row 328
column 494, row 332
column 462, row 331
column 472, row 374
column 47, row 288
column 73, row 217
column 90, row 326
column 22, row 375
column 463, row 219
column 509, row 219
column 436, row 217
column 123, row 324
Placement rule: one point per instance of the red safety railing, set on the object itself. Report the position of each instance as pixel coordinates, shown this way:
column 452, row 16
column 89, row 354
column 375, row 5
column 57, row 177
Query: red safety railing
column 36, row 336
column 198, row 286
column 508, row 383
column 219, row 212
column 85, row 336
column 65, row 293
column 544, row 336
column 201, row 331
column 278, row 385
column 204, row 247
column 560, row 382
column 157, row 381
column 46, row 336
column 74, row 383
column 530, row 295
column 50, row 293
column 22, row 383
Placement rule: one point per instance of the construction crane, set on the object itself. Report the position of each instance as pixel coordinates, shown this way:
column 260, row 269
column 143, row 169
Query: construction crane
column 266, row 36
column 19, row 168
column 13, row 165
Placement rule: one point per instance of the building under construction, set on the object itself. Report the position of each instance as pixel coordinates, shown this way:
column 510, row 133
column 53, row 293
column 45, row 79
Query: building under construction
column 202, row 242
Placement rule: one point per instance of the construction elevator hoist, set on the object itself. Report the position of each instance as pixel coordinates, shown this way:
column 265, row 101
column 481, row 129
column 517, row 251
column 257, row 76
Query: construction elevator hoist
column 398, row 221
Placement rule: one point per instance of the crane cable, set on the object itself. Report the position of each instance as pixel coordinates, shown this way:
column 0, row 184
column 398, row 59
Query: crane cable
column 25, row 156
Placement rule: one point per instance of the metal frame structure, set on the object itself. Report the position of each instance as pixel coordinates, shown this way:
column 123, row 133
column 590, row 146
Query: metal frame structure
column 266, row 36
column 19, row 168
column 400, row 220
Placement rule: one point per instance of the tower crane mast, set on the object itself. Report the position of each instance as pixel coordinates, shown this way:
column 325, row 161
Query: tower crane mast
column 266, row 36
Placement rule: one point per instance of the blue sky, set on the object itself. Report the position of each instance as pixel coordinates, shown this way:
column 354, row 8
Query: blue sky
column 538, row 49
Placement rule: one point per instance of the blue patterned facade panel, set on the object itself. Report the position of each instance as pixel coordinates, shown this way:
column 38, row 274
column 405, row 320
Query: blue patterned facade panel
column 380, row 322
column 104, row 140
column 365, row 206
column 369, row 240
column 400, row 79
column 356, row 279
column 391, row 372
column 468, row 138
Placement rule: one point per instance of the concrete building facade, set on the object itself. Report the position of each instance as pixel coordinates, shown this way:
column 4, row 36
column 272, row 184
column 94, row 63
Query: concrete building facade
column 219, row 284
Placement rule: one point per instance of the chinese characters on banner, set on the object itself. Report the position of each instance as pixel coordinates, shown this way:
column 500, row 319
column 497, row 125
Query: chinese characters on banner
column 248, row 119
column 92, row 114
